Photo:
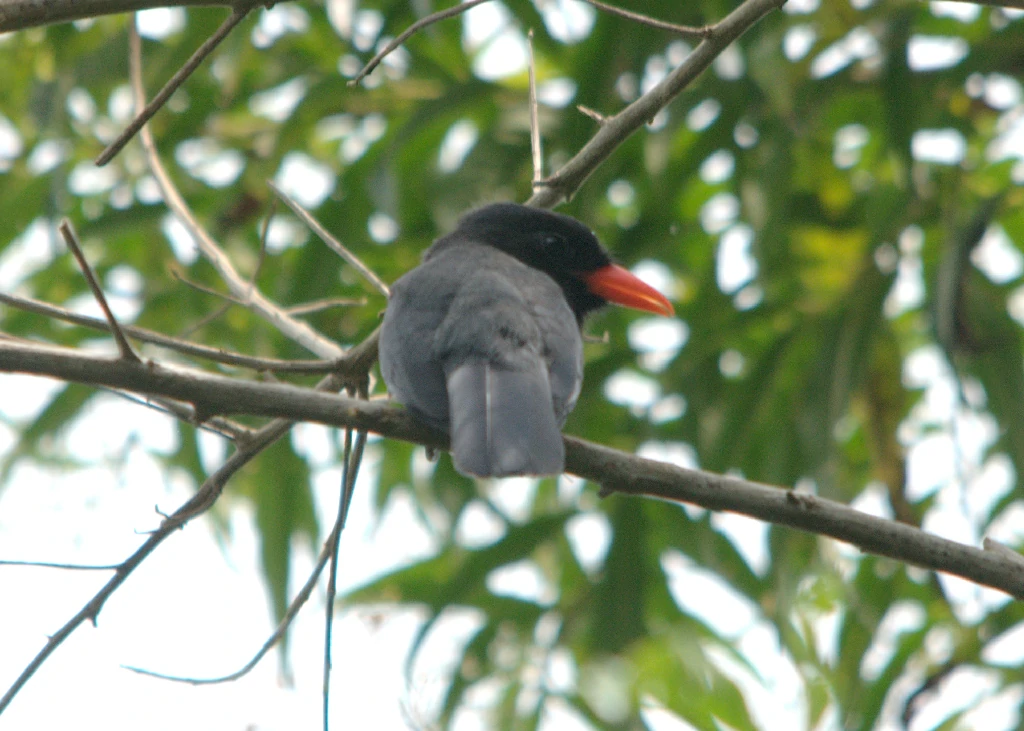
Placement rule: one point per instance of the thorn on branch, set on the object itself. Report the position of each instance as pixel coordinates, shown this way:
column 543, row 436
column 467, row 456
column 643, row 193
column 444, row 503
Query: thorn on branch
column 593, row 114
column 800, row 499
column 1003, row 550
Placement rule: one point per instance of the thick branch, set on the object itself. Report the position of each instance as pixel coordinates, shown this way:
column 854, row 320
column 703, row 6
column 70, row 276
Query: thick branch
column 615, row 471
column 21, row 14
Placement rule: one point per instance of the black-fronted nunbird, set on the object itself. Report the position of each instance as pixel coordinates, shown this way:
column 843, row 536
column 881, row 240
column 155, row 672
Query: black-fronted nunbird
column 482, row 340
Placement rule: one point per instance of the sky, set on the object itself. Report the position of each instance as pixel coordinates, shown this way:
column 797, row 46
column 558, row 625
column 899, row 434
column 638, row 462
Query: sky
column 198, row 606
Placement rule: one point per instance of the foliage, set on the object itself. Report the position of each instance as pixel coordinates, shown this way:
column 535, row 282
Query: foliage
column 802, row 157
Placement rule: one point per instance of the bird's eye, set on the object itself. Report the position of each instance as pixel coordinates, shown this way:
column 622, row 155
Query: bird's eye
column 551, row 242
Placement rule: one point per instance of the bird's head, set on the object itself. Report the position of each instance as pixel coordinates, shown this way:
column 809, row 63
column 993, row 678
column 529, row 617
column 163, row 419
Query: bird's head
column 564, row 249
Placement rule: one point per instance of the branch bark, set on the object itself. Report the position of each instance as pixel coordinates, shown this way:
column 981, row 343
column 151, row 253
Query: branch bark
column 615, row 471
column 21, row 14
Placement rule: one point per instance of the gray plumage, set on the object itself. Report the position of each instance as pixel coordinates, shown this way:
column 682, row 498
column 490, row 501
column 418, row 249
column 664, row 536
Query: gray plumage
column 478, row 344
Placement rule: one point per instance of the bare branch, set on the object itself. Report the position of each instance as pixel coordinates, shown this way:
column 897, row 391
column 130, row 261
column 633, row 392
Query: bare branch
column 538, row 163
column 326, row 304
column 329, row 552
column 204, row 498
column 217, row 355
column 596, row 116
column 115, row 329
column 613, row 133
column 282, row 627
column 264, row 235
column 21, row 14
column 335, row 245
column 236, row 16
column 410, row 31
column 616, row 471
column 294, row 329
column 687, row 31
column 352, row 460
column 66, row 566
column 1017, row 4
column 219, row 425
column 228, row 298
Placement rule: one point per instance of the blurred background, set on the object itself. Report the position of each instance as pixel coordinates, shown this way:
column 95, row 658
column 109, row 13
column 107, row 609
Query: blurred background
column 834, row 207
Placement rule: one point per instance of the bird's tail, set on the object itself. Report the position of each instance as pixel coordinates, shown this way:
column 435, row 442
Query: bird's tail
column 503, row 422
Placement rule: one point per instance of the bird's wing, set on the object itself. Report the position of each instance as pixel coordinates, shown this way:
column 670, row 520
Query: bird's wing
column 563, row 352
column 418, row 303
column 503, row 420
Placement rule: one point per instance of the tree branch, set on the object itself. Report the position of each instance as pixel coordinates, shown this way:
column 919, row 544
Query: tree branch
column 296, row 330
column 147, row 112
column 21, row 14
column 687, row 31
column 199, row 503
column 614, row 130
column 615, row 471
column 71, row 239
column 411, row 31
column 217, row 355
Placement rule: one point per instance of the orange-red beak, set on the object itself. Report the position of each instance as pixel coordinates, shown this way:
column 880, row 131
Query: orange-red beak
column 617, row 285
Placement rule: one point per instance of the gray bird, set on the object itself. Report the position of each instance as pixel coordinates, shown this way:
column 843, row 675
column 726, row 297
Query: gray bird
column 482, row 340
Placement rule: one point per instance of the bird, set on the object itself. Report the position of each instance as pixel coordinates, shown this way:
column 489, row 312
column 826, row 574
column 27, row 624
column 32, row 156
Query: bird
column 483, row 339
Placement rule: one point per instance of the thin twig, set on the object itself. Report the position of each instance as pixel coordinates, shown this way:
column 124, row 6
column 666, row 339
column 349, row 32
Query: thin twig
column 219, row 425
column 264, row 235
column 308, row 308
column 594, row 115
column 282, row 627
column 538, row 164
column 205, row 320
column 351, row 462
column 294, row 329
column 66, row 566
column 335, row 245
column 563, row 183
column 410, row 31
column 328, row 550
column 197, row 505
column 217, row 355
column 687, row 31
column 229, row 298
column 115, row 329
column 236, row 16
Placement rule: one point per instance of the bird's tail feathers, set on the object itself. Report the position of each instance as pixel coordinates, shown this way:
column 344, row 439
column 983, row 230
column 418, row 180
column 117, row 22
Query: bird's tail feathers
column 502, row 421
